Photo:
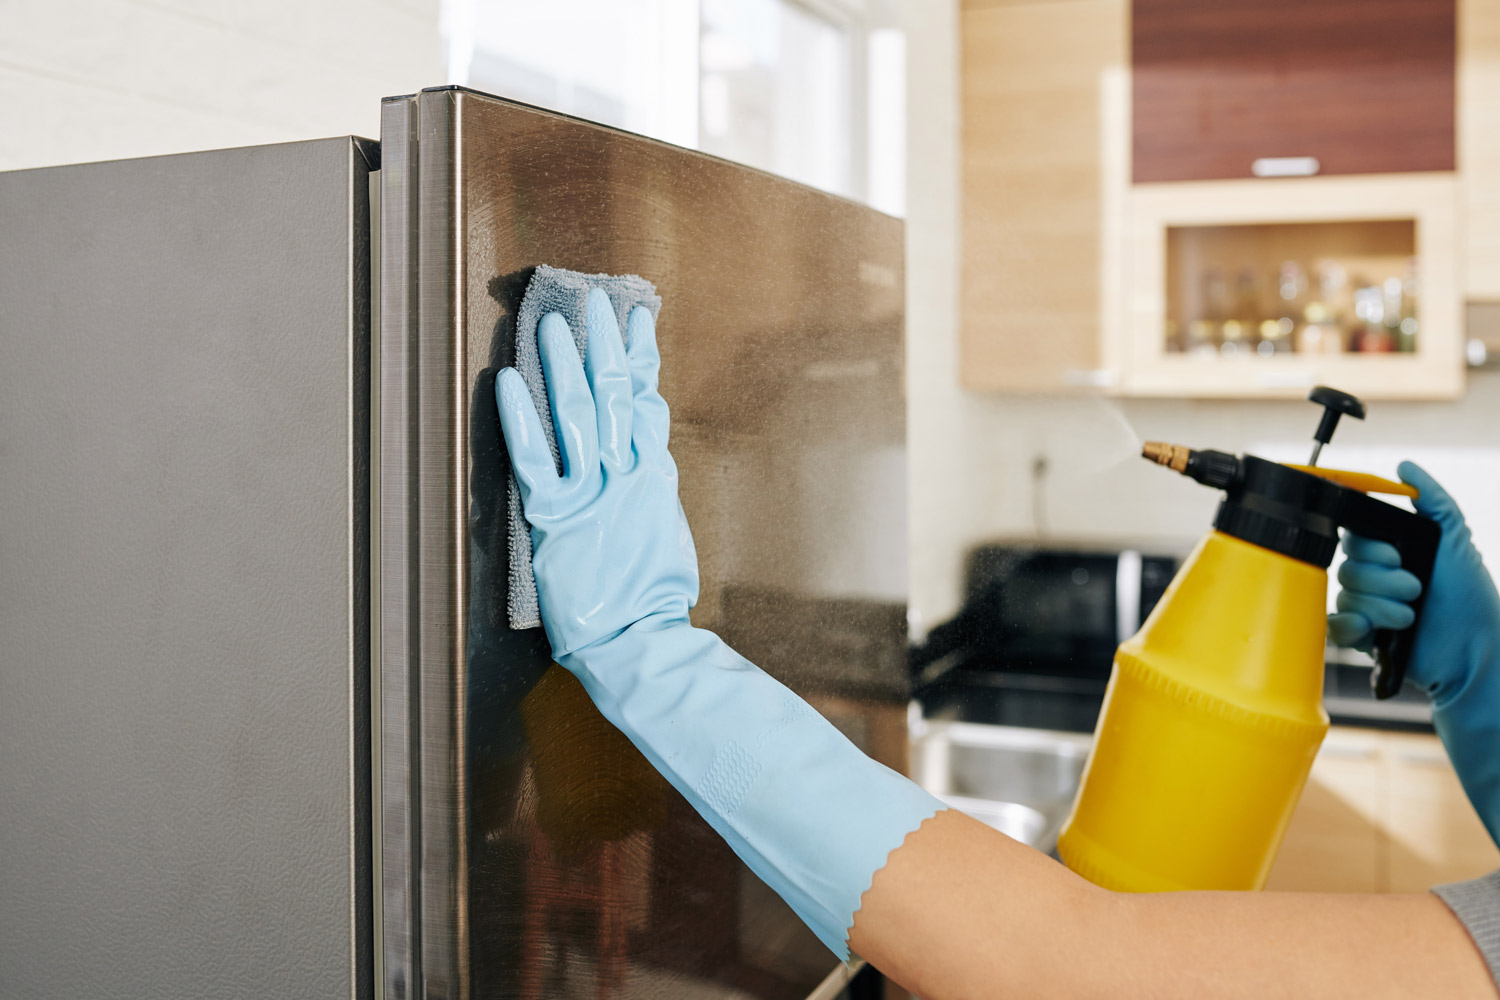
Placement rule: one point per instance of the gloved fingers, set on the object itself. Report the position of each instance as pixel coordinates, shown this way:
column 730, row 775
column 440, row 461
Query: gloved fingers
column 1351, row 630
column 1433, row 501
column 652, row 418
column 610, row 381
column 1369, row 550
column 524, row 438
column 1379, row 581
column 1381, row 612
column 572, row 404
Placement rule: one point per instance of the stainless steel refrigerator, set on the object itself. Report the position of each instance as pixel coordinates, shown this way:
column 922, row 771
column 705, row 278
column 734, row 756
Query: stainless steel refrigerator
column 265, row 730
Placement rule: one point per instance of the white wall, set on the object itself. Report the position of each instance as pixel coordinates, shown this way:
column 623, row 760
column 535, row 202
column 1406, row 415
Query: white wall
column 942, row 502
column 103, row 79
column 972, row 454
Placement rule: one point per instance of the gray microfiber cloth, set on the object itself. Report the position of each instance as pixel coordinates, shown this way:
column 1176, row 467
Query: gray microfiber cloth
column 553, row 290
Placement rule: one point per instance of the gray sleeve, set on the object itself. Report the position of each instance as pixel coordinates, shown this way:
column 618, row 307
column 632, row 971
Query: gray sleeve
column 1476, row 903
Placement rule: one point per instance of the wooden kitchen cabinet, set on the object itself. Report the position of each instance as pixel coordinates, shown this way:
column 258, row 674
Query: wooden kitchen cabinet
column 1382, row 812
column 1036, row 176
column 1365, row 93
column 1353, row 87
column 1066, row 279
column 1435, row 836
column 1479, row 145
column 1348, row 218
column 1362, row 86
column 1335, row 843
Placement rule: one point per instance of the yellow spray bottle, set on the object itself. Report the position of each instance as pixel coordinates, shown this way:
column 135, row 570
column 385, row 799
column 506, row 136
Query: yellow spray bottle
column 1214, row 709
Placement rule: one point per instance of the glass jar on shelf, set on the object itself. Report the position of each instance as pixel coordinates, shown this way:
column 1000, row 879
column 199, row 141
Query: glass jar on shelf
column 1322, row 330
column 1275, row 336
column 1335, row 302
column 1205, row 335
column 1241, row 331
column 1372, row 335
column 1291, row 288
column 1406, row 329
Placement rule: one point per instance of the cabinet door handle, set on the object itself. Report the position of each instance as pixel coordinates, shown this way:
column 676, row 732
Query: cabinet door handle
column 1477, row 353
column 1285, row 166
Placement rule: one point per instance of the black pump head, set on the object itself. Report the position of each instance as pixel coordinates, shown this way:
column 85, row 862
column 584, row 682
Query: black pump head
column 1298, row 514
column 1335, row 404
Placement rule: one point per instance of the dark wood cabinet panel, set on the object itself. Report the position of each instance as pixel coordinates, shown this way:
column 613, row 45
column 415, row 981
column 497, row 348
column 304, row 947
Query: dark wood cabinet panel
column 1365, row 86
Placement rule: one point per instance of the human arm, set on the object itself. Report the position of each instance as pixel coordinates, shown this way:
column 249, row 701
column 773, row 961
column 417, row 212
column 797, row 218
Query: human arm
column 937, row 901
column 616, row 576
column 962, row 911
column 1455, row 656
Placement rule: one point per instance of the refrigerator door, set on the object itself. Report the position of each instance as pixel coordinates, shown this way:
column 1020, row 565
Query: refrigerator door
column 529, row 850
column 184, row 566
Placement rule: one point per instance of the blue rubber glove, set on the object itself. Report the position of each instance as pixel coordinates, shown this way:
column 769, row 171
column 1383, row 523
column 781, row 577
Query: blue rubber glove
column 616, row 574
column 1456, row 653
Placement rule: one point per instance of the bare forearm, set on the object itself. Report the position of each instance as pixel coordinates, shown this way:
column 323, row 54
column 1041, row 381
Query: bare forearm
column 962, row 911
column 1257, row 945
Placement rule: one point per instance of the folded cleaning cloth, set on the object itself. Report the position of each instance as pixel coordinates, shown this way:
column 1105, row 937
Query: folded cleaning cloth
column 553, row 290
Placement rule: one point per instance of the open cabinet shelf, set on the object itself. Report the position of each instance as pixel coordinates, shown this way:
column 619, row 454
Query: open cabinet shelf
column 1266, row 288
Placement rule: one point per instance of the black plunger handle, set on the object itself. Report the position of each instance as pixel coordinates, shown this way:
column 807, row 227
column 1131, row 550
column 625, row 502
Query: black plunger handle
column 1416, row 540
column 1335, row 404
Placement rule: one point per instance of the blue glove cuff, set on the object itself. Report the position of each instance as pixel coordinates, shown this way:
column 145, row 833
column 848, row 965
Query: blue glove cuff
column 796, row 800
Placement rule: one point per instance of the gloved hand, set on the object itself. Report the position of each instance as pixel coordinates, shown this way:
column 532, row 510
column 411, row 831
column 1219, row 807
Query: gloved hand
column 1456, row 652
column 614, row 508
column 616, row 574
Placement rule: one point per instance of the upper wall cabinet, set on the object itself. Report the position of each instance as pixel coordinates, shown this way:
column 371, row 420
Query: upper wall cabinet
column 1243, row 274
column 1227, row 198
column 1229, row 88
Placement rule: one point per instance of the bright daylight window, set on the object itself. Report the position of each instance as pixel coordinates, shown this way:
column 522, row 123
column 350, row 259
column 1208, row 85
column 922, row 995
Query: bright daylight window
column 813, row 90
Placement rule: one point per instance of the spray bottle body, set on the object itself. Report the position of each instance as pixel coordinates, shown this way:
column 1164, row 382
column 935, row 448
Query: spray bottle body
column 1210, row 725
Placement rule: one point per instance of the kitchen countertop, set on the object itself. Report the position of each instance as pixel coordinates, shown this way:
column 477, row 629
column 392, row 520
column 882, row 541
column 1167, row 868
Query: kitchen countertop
column 1072, row 704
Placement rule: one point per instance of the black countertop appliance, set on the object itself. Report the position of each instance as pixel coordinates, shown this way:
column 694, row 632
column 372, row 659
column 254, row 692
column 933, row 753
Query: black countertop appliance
column 1035, row 639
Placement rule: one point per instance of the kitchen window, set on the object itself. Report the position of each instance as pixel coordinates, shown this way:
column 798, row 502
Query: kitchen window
column 813, row 90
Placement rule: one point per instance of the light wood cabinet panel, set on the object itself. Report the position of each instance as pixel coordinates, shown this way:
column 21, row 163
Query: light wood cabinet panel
column 1382, row 812
column 1435, row 835
column 1479, row 144
column 1034, row 180
column 1334, row 842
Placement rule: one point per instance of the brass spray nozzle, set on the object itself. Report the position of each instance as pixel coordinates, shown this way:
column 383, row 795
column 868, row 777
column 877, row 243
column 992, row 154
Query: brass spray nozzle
column 1173, row 456
column 1211, row 468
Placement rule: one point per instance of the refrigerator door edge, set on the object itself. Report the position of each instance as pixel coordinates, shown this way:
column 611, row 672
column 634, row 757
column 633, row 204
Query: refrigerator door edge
column 423, row 579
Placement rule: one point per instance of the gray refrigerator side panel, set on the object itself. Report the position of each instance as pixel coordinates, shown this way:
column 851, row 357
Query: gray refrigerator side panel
column 184, row 567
